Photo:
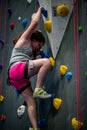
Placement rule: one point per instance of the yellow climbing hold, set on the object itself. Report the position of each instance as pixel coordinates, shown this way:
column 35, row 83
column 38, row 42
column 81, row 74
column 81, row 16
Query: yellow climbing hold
column 52, row 61
column 63, row 69
column 62, row 10
column 77, row 125
column 1, row 98
column 48, row 25
column 57, row 103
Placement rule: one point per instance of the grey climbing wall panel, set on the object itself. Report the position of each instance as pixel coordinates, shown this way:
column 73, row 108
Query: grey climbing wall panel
column 83, row 54
column 55, row 84
column 59, row 23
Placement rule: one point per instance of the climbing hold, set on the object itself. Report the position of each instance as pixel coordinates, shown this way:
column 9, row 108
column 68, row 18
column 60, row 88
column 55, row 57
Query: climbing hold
column 14, row 41
column 44, row 12
column 68, row 75
column 1, row 98
column 12, row 25
column 57, row 103
column 48, row 25
column 29, row 1
column 80, row 28
column 63, row 69
column 42, row 123
column 52, row 97
column 44, row 54
column 86, row 73
column 62, row 10
column 1, row 66
column 77, row 125
column 19, row 18
column 9, row 11
column 17, row 92
column 52, row 61
column 2, row 42
column 33, row 15
column 24, row 103
column 3, row 117
column 20, row 110
column 24, row 22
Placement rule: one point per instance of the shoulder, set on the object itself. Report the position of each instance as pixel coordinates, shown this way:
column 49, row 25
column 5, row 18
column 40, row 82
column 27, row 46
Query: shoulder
column 23, row 43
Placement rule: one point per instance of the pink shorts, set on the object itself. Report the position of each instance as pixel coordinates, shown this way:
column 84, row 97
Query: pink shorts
column 17, row 76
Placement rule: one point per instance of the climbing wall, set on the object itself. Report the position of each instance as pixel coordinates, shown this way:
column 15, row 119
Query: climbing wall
column 83, row 56
column 72, row 55
column 59, row 23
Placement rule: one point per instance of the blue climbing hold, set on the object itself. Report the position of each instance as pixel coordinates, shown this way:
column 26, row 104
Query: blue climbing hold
column 42, row 123
column 17, row 92
column 44, row 12
column 44, row 54
column 68, row 75
column 52, row 97
column 24, row 22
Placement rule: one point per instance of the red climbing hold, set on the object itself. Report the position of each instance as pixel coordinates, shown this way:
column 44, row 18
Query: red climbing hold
column 12, row 26
column 3, row 117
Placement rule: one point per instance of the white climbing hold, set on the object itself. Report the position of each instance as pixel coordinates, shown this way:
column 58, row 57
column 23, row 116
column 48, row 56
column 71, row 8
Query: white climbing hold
column 20, row 110
column 19, row 18
column 29, row 1
column 33, row 15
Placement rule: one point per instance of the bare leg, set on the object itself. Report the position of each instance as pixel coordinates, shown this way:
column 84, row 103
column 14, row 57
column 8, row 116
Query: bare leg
column 32, row 107
column 41, row 68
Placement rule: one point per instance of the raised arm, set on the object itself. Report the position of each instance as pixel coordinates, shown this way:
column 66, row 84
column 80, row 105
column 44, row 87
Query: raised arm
column 25, row 37
column 34, row 22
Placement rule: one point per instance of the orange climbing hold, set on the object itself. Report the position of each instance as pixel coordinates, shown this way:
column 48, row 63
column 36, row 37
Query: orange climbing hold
column 57, row 103
column 63, row 69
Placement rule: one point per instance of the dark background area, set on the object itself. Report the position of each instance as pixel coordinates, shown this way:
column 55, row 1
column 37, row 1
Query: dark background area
column 55, row 84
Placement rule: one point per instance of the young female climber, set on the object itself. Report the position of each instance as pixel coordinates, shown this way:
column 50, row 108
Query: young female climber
column 24, row 64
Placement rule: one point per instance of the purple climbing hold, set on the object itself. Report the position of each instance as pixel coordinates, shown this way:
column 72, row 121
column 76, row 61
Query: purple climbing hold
column 9, row 11
column 1, row 66
column 24, row 22
column 2, row 42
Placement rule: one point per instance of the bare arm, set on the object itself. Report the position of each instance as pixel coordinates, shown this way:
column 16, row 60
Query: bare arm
column 25, row 38
column 33, row 24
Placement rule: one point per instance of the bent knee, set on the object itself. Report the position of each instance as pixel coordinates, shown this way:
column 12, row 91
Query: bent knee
column 47, row 62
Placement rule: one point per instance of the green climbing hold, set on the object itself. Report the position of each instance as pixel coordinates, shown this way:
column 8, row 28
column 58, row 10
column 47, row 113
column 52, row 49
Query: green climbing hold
column 86, row 73
column 80, row 28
